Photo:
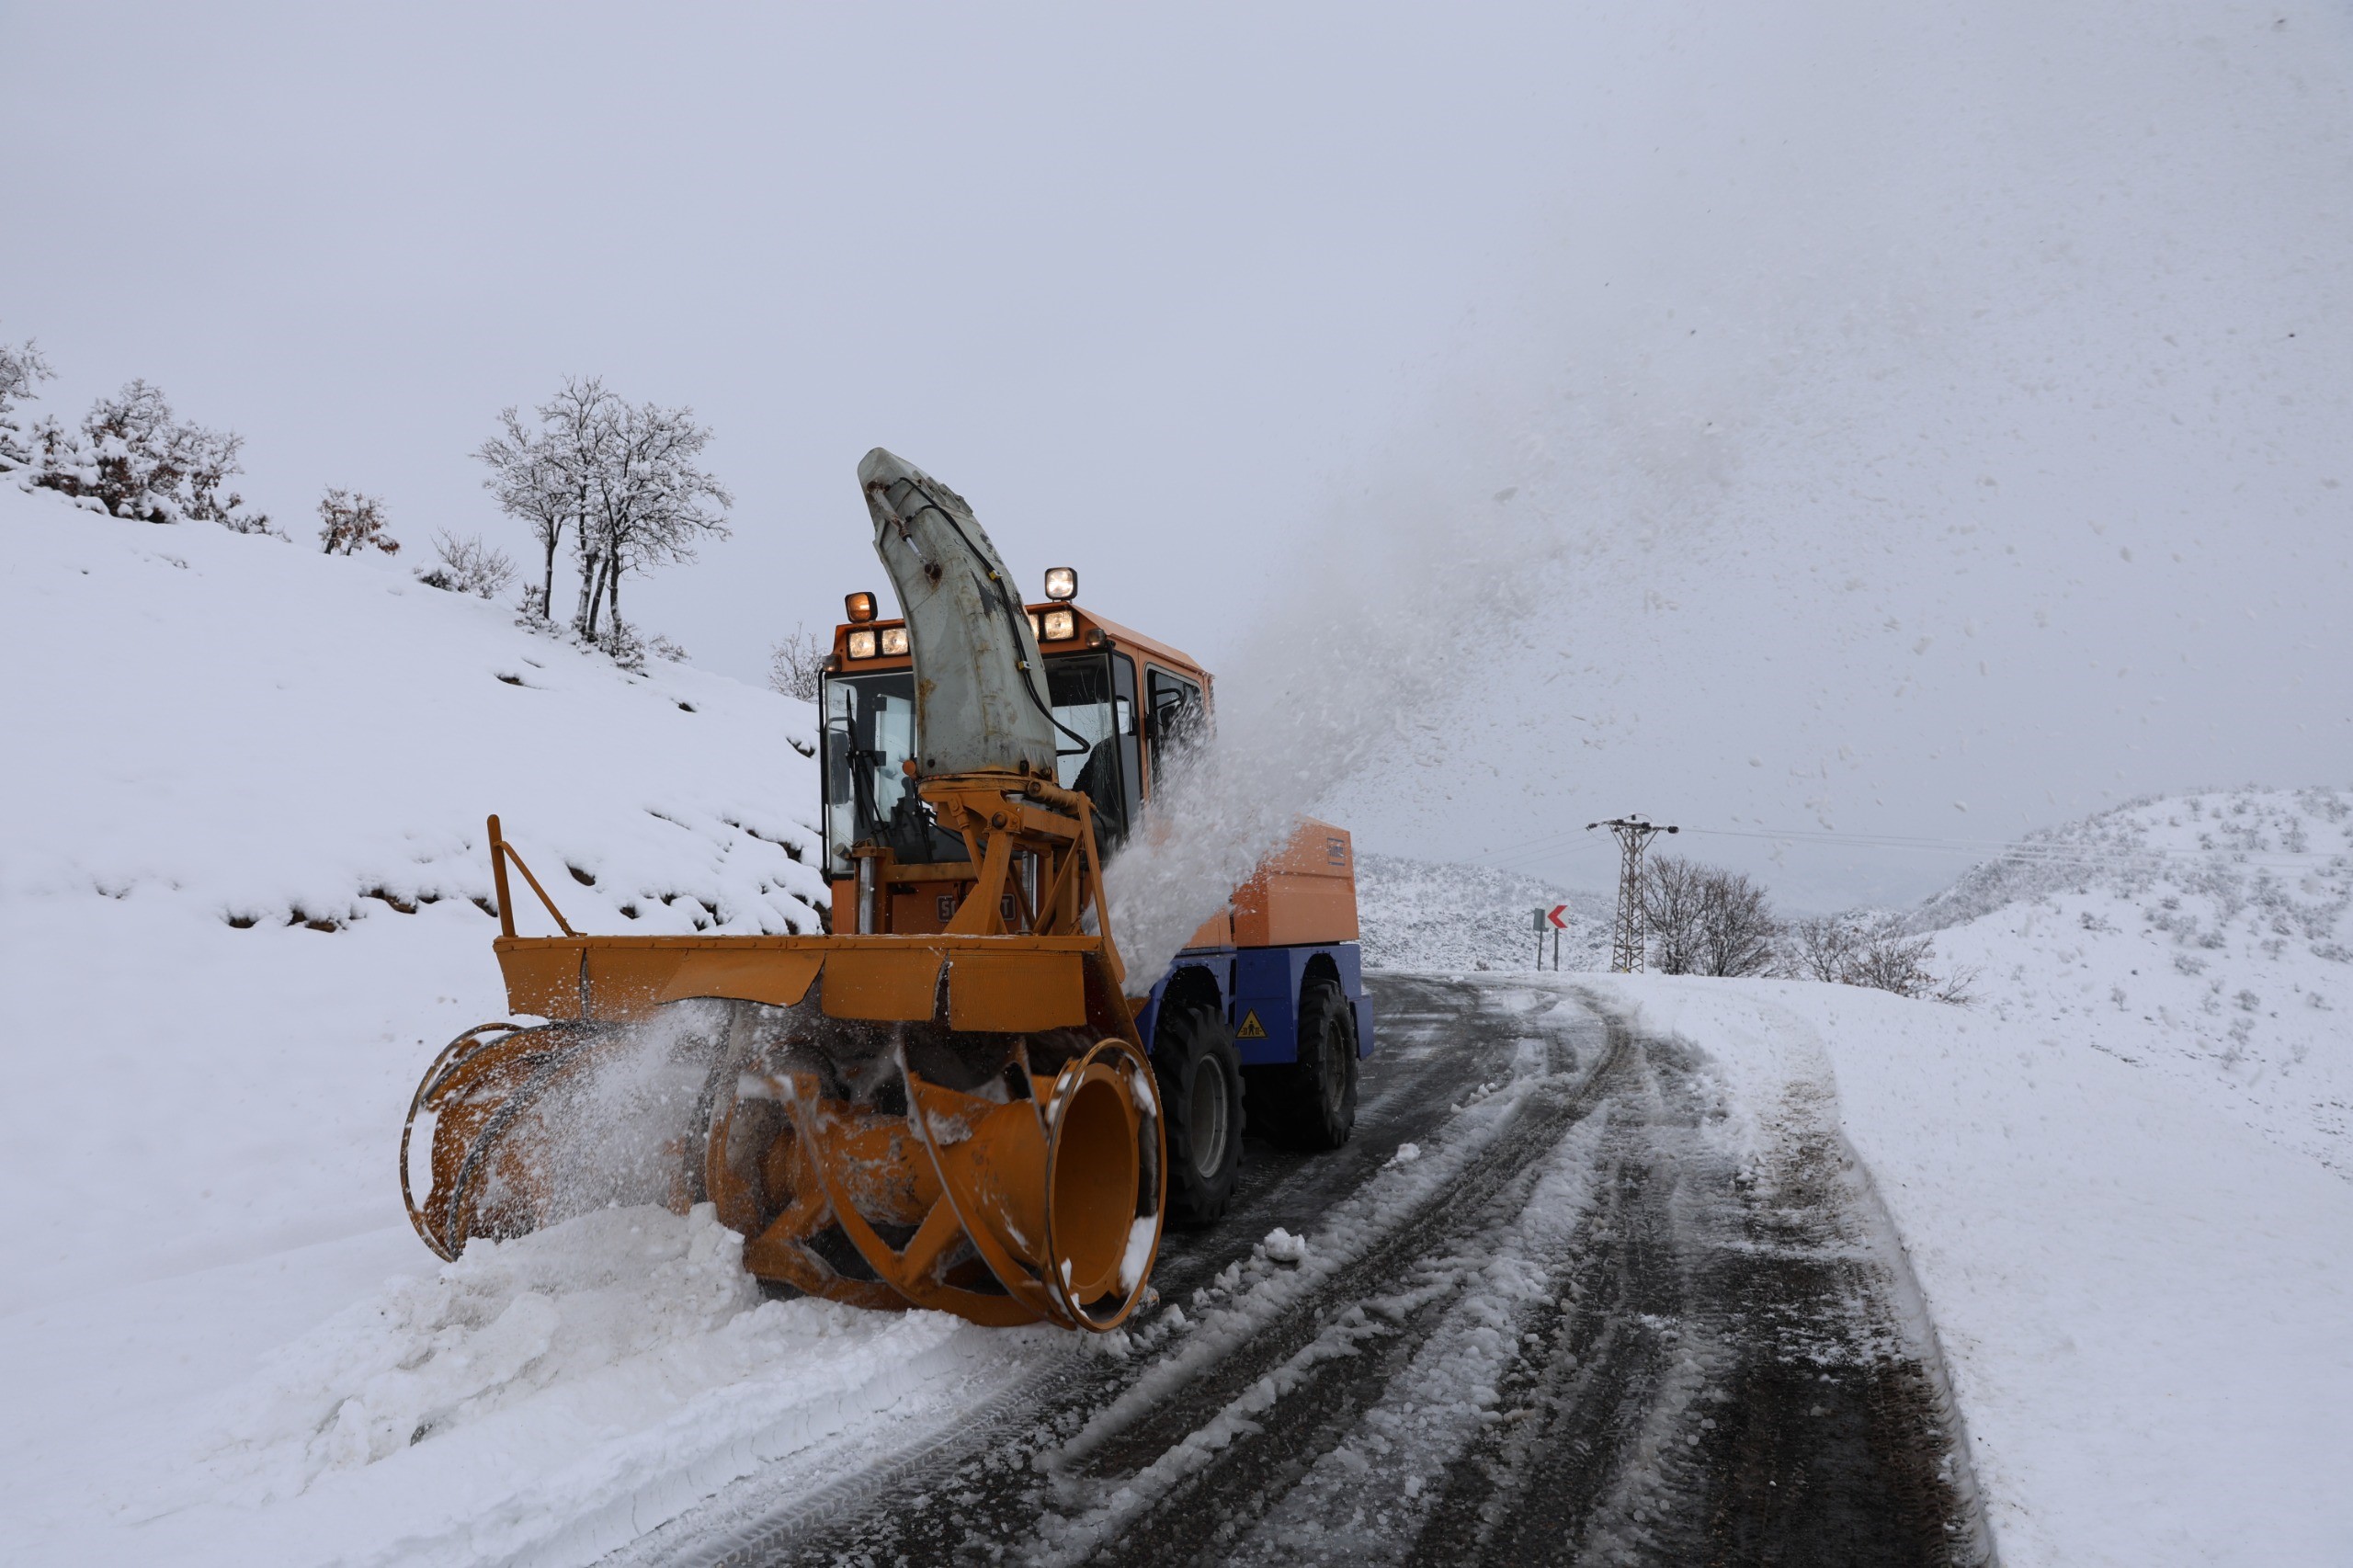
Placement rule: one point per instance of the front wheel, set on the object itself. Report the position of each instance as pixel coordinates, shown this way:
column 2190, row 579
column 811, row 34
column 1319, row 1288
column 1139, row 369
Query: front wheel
column 1201, row 1095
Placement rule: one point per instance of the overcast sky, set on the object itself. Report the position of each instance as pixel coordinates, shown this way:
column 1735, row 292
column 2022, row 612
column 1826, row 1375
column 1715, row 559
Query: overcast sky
column 1927, row 428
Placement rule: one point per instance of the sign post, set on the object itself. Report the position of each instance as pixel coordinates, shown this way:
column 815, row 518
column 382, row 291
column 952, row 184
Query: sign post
column 1556, row 920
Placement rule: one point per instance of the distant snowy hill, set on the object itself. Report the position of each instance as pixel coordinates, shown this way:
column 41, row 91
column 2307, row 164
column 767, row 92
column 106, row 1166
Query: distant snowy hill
column 2203, row 937
column 1422, row 914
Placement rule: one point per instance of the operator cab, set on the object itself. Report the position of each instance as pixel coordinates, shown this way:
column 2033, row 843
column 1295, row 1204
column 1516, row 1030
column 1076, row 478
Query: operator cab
column 1124, row 705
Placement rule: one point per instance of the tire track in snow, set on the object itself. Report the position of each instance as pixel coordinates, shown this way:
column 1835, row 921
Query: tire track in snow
column 967, row 1489
column 1728, row 1376
column 1229, row 1426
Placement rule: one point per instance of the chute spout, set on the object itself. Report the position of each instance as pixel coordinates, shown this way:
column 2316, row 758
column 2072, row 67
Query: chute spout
column 980, row 699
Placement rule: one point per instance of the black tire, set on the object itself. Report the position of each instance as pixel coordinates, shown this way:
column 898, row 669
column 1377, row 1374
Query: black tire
column 1200, row 1097
column 1313, row 1101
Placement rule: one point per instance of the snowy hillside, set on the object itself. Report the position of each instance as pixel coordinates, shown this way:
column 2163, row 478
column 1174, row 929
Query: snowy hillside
column 2203, row 937
column 1421, row 914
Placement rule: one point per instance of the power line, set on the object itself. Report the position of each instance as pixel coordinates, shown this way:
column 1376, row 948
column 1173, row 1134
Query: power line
column 2044, row 851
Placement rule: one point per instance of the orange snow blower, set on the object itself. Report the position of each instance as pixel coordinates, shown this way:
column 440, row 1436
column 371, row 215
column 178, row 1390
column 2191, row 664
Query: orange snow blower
column 953, row 1101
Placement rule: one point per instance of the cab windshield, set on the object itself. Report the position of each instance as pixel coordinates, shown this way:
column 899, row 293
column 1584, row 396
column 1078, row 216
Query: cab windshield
column 870, row 736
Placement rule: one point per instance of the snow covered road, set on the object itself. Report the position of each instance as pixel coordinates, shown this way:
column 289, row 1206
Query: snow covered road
column 1558, row 1302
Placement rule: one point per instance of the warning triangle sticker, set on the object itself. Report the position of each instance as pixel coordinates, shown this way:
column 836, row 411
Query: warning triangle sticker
column 1251, row 1028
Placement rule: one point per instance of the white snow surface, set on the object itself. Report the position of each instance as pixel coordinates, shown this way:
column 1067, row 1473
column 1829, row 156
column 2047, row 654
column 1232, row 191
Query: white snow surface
column 2142, row 1302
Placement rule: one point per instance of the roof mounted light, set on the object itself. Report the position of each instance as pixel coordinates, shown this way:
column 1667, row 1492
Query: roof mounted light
column 861, row 645
column 1060, row 625
column 1061, row 583
column 860, row 606
column 895, row 639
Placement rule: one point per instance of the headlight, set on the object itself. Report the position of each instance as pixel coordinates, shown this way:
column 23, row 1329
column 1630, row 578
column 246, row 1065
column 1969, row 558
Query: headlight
column 1061, row 624
column 1062, row 581
column 895, row 639
column 861, row 645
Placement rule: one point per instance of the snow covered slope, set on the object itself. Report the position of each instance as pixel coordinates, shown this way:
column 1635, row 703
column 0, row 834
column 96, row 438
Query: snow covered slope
column 1422, row 914
column 2202, row 937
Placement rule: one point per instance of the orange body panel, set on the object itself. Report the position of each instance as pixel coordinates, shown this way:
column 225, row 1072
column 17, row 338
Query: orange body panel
column 1304, row 893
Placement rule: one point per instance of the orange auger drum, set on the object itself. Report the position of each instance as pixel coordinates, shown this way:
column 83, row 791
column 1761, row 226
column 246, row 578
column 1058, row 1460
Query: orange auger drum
column 964, row 1120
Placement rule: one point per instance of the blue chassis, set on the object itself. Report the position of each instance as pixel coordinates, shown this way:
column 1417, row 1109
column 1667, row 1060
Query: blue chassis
column 1264, row 983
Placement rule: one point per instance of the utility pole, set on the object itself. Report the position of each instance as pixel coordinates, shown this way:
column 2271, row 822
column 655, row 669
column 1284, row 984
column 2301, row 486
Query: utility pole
column 1634, row 835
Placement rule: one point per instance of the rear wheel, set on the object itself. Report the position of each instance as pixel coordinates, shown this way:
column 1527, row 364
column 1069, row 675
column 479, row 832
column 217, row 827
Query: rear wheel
column 1201, row 1095
column 1314, row 1100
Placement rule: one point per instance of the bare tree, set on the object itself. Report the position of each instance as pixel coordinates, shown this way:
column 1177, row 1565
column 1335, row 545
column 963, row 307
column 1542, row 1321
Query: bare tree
column 1875, row 952
column 651, row 505
column 22, row 369
column 1823, row 948
column 620, row 480
column 542, row 476
column 1737, row 933
column 795, row 662
column 350, row 522
column 1673, row 907
column 467, row 566
column 132, row 459
column 1887, row 959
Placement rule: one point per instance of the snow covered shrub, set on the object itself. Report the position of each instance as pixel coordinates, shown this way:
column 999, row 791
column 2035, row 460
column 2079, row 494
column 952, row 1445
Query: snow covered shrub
column 467, row 566
column 795, row 662
column 21, row 369
column 1821, row 949
column 350, row 522
column 1849, row 950
column 131, row 459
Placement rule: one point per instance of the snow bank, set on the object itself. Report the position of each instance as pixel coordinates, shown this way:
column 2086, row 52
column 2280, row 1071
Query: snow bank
column 548, row 1399
column 2142, row 1302
column 428, row 1355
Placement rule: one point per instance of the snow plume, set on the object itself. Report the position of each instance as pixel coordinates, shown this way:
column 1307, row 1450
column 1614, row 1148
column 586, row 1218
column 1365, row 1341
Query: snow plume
column 1560, row 458
column 614, row 1130
column 1931, row 357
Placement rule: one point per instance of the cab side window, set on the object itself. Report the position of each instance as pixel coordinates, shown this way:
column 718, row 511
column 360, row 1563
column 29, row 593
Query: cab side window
column 1174, row 717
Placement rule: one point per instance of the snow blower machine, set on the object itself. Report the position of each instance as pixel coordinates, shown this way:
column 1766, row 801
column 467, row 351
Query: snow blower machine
column 956, row 1099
